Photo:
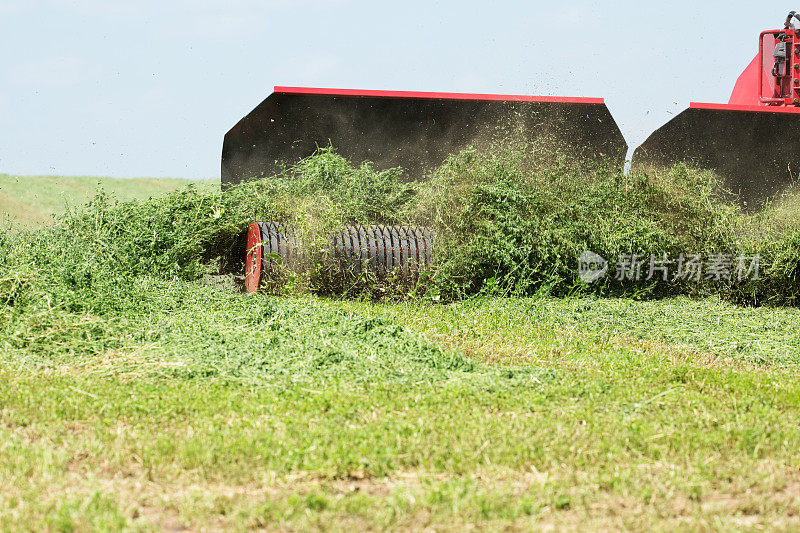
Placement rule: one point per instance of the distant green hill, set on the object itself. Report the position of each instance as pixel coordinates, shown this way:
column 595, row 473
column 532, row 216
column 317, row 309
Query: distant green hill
column 28, row 202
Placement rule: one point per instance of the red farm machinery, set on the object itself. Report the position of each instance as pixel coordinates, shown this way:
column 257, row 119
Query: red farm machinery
column 751, row 142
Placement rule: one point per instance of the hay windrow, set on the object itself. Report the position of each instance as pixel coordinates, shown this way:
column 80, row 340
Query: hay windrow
column 510, row 221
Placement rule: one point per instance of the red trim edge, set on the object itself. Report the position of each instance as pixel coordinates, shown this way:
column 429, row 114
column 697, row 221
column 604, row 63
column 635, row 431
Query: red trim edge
column 438, row 96
column 751, row 108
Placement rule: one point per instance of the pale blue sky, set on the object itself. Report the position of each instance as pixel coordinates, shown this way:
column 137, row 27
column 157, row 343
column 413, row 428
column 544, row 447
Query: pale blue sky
column 149, row 88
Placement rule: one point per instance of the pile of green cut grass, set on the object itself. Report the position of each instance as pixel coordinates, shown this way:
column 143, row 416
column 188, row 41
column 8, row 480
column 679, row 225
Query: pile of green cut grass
column 509, row 223
column 30, row 202
column 512, row 221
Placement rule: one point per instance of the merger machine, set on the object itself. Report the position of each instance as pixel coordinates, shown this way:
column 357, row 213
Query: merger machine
column 751, row 142
column 412, row 130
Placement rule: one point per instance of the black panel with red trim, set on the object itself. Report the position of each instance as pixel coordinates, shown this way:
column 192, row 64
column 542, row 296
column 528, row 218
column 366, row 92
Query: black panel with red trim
column 416, row 131
column 755, row 150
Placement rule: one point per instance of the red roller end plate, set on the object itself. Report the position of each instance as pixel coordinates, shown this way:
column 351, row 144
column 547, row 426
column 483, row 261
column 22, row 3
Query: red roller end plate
column 252, row 268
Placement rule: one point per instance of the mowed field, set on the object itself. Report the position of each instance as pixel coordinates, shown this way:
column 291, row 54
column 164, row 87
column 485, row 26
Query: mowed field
column 226, row 411
column 29, row 202
column 164, row 404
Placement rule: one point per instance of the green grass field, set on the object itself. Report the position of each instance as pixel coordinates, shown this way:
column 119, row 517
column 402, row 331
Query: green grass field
column 131, row 399
column 494, row 413
column 29, row 202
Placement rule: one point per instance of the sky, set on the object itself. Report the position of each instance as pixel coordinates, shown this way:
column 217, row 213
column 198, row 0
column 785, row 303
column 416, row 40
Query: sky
column 148, row 88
